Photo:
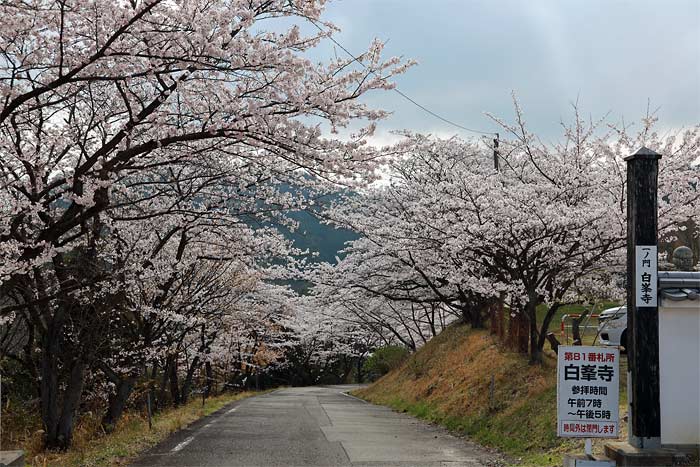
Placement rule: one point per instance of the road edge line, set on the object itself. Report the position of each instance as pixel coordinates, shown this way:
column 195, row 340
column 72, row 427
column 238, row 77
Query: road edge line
column 180, row 446
column 357, row 398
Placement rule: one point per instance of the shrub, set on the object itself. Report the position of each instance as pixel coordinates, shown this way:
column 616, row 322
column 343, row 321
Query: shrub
column 383, row 360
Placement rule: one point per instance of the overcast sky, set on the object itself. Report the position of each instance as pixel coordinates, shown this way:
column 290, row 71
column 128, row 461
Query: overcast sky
column 612, row 55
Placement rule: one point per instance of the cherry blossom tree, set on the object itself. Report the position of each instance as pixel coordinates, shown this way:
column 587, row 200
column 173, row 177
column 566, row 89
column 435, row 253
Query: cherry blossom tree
column 370, row 294
column 181, row 113
column 545, row 230
column 322, row 348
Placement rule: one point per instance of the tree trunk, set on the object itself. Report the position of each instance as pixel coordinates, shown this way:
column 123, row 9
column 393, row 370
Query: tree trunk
column 466, row 314
column 162, row 391
column 187, row 384
column 477, row 318
column 535, row 351
column 117, row 402
column 576, row 327
column 49, row 399
column 174, row 384
column 518, row 332
column 210, row 379
column 49, row 381
column 152, row 386
column 359, row 370
column 71, row 401
column 544, row 328
column 553, row 342
column 497, row 319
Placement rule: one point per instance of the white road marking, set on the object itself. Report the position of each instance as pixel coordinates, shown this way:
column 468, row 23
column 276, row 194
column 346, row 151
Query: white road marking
column 356, row 398
column 232, row 410
column 183, row 444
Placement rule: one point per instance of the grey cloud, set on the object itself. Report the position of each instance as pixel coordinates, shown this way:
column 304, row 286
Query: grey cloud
column 612, row 55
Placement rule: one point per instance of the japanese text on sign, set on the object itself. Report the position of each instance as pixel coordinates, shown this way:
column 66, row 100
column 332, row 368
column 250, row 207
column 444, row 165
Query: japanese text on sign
column 645, row 281
column 588, row 392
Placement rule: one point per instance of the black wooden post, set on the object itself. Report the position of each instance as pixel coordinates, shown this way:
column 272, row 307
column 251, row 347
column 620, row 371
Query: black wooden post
column 642, row 321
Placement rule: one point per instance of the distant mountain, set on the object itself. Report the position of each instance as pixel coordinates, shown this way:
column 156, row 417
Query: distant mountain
column 323, row 242
column 319, row 238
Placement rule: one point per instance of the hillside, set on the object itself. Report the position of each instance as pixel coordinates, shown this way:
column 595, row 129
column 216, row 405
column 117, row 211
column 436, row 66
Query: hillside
column 448, row 381
column 323, row 241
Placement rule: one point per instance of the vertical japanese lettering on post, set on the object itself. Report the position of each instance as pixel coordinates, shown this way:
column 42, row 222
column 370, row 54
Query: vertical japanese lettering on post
column 588, row 396
column 646, row 275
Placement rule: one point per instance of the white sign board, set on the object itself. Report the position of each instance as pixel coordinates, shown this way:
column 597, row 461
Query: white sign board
column 645, row 281
column 588, row 392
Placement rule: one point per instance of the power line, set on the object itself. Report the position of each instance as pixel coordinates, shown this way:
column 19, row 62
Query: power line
column 409, row 99
column 440, row 116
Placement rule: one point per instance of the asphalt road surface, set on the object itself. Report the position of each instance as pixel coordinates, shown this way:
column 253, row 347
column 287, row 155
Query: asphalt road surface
column 315, row 426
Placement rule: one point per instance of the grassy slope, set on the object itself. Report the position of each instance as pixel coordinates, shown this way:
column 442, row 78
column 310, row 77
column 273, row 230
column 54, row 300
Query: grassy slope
column 131, row 437
column 448, row 382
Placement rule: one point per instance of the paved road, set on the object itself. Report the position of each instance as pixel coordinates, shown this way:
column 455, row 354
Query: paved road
column 315, row 426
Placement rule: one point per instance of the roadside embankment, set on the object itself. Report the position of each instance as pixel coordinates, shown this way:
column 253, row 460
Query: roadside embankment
column 449, row 382
column 92, row 448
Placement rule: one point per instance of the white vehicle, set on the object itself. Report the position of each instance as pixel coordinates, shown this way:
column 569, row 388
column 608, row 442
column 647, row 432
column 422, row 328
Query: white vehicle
column 612, row 326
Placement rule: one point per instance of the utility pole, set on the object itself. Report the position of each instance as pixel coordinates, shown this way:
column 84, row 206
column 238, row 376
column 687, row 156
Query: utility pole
column 495, row 152
column 642, row 307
